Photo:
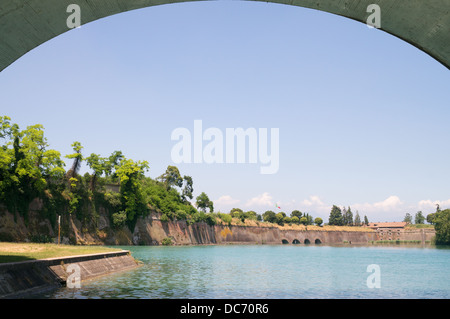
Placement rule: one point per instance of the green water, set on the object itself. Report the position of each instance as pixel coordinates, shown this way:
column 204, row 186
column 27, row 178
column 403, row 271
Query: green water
column 274, row 271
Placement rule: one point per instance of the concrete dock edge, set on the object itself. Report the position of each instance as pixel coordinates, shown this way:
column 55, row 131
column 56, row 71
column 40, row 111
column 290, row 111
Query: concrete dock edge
column 25, row 278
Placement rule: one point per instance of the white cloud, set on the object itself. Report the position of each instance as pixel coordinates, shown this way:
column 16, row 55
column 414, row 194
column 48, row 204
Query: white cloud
column 428, row 205
column 390, row 209
column 313, row 201
column 391, row 203
column 226, row 200
column 314, row 205
column 264, row 199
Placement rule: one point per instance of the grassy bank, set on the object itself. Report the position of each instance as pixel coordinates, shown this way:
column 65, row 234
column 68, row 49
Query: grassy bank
column 419, row 226
column 12, row 252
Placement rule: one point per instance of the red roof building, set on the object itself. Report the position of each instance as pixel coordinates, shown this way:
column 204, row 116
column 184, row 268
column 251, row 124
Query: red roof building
column 392, row 225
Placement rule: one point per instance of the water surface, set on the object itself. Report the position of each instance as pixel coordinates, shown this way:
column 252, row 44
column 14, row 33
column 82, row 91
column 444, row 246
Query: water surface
column 274, row 271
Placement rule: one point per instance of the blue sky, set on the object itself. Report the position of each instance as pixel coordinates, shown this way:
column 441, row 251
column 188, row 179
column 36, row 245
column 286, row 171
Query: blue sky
column 362, row 115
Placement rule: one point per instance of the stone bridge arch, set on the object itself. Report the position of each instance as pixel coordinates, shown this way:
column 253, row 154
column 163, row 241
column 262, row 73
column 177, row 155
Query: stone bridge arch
column 25, row 24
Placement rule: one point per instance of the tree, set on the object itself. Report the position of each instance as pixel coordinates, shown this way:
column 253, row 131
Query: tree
column 419, row 218
column 408, row 218
column 236, row 212
column 6, row 128
column 251, row 215
column 172, row 177
column 295, row 220
column 130, row 174
column 287, row 220
column 203, row 202
column 309, row 218
column 240, row 214
column 188, row 189
column 357, row 221
column 347, row 217
column 225, row 217
column 442, row 227
column 269, row 216
column 279, row 217
column 296, row 213
column 431, row 218
column 26, row 164
column 344, row 215
column 98, row 165
column 77, row 159
column 335, row 216
column 366, row 220
column 113, row 162
column 119, row 219
column 304, row 220
column 34, row 164
column 318, row 221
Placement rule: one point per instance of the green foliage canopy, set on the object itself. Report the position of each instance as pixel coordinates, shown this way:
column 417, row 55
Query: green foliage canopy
column 335, row 216
column 204, row 202
column 442, row 227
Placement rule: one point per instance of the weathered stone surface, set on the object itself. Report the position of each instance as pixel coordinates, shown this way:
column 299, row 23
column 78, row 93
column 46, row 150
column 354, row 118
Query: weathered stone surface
column 151, row 230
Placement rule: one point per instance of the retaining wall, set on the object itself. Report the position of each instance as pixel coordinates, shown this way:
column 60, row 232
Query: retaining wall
column 151, row 231
column 21, row 279
column 410, row 234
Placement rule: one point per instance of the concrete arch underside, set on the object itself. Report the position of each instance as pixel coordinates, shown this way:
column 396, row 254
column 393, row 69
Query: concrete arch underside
column 25, row 24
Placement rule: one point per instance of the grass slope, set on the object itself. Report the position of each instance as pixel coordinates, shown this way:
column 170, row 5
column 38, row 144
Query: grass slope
column 12, row 252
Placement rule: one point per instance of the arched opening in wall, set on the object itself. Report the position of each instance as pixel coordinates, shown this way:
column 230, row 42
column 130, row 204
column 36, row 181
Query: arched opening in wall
column 317, row 241
column 284, row 241
column 307, row 241
column 296, row 241
column 191, row 132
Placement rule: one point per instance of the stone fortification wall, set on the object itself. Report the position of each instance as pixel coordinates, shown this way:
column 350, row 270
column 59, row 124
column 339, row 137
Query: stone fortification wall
column 423, row 235
column 151, row 230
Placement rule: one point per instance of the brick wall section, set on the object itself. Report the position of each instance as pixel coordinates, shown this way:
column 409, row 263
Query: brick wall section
column 35, row 276
column 152, row 231
column 423, row 235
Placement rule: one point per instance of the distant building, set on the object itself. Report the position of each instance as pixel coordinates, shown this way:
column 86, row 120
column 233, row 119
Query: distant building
column 389, row 231
column 392, row 225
